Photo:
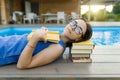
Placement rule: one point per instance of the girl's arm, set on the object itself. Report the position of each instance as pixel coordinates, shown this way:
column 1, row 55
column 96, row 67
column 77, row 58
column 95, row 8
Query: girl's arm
column 44, row 57
column 26, row 55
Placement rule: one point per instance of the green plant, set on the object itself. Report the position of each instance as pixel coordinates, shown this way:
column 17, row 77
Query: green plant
column 109, row 16
column 117, row 17
column 116, row 8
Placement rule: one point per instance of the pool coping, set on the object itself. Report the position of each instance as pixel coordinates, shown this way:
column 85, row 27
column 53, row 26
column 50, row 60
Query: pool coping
column 93, row 23
column 105, row 23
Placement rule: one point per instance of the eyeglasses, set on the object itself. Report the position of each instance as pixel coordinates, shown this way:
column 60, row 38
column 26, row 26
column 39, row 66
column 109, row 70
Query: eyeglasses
column 76, row 27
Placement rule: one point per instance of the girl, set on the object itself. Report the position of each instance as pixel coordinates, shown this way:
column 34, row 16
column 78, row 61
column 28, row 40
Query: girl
column 38, row 51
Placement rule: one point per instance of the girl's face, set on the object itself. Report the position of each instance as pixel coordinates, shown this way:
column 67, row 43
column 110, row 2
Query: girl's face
column 75, row 29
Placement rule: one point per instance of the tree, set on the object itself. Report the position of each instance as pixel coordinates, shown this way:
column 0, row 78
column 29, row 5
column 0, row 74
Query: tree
column 116, row 8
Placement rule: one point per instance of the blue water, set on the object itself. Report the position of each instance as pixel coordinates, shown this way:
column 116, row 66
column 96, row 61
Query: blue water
column 101, row 35
column 106, row 35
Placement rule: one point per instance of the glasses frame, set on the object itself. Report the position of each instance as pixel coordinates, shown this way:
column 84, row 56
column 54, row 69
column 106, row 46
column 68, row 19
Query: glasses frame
column 76, row 27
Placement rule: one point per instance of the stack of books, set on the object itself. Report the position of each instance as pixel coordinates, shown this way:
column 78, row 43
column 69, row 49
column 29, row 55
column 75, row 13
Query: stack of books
column 81, row 51
column 52, row 36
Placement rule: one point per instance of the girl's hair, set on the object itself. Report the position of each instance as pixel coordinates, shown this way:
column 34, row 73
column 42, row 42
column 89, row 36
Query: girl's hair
column 86, row 36
column 88, row 33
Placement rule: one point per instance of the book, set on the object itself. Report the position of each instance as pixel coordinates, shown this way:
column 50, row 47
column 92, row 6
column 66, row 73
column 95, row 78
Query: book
column 81, row 60
column 79, row 51
column 52, row 36
column 80, row 55
column 84, row 45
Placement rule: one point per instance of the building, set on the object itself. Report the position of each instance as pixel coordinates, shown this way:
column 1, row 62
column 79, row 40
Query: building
column 8, row 7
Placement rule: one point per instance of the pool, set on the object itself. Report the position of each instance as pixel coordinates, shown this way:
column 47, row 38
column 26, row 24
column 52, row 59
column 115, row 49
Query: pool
column 106, row 35
column 101, row 35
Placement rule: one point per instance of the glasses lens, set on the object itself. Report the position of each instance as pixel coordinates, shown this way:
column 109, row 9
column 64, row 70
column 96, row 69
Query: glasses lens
column 78, row 30
column 73, row 23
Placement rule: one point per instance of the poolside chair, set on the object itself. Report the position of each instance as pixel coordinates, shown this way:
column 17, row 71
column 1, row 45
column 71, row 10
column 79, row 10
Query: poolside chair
column 61, row 17
column 30, row 17
column 37, row 19
column 15, row 16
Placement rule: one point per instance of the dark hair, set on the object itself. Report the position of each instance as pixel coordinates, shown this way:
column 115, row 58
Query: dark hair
column 86, row 36
column 88, row 33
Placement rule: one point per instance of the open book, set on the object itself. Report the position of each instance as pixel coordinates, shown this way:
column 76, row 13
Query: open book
column 52, row 36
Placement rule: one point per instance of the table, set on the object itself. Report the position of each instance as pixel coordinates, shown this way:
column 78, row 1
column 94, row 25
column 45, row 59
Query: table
column 48, row 17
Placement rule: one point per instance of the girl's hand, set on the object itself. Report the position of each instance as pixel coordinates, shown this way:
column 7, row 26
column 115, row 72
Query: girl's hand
column 40, row 34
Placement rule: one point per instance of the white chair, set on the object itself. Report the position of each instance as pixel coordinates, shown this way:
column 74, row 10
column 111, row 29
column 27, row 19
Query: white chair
column 30, row 17
column 14, row 17
column 61, row 17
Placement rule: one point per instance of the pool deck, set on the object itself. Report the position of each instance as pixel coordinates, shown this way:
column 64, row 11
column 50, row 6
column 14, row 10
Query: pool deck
column 106, row 64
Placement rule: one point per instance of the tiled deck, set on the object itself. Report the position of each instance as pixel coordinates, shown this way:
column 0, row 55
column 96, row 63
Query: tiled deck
column 106, row 64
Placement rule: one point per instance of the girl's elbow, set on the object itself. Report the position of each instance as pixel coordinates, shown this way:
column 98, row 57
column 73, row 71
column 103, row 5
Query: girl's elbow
column 21, row 66
column 24, row 66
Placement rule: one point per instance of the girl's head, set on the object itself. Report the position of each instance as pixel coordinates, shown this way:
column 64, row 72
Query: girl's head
column 78, row 30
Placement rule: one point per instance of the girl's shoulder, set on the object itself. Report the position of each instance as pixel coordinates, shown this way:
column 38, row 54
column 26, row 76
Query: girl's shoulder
column 60, row 43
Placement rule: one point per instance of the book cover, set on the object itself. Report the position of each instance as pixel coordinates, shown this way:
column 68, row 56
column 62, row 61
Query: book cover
column 87, row 42
column 81, row 60
column 83, row 45
column 52, row 36
column 80, row 55
column 79, row 51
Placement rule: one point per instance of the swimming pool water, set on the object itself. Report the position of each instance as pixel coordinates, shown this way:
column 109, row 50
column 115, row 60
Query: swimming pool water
column 106, row 35
column 101, row 35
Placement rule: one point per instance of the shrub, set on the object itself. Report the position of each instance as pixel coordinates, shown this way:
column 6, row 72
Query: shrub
column 110, row 16
column 117, row 17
